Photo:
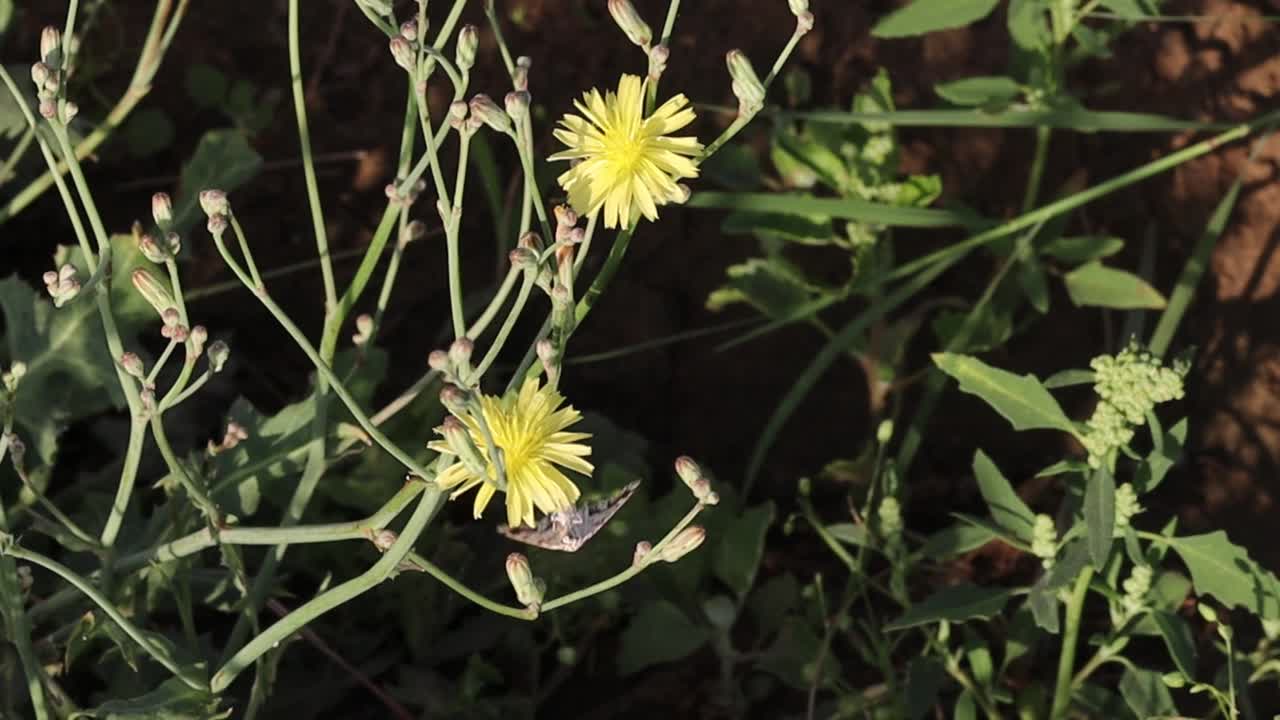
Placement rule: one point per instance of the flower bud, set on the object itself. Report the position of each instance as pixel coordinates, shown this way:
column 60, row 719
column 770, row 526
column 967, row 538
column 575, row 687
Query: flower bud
column 523, row 258
column 643, row 548
column 409, row 30
column 415, row 230
column 454, row 399
column 550, row 358
column 804, row 23
column 148, row 398
column 658, row 57
column 746, row 84
column 566, row 218
column 132, row 365
column 153, row 291
column 520, row 78
column 174, row 243
column 458, row 438
column 217, row 225
column 162, row 209
column 69, row 111
column 884, row 432
column 195, row 342
column 468, row 42
column 634, row 26
column 364, row 329
column 40, row 74
column 460, row 352
column 487, row 111
column 214, row 202
column 798, row 6
column 528, row 590
column 438, row 360
column 151, row 250
column 517, row 103
column 217, row 353
column 383, row 539
column 50, row 45
column 403, row 53
column 532, row 241
column 683, row 543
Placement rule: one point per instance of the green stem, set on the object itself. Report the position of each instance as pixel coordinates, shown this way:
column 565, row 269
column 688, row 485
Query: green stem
column 451, row 238
column 524, row 146
column 17, row 624
column 1070, row 638
column 385, row 568
column 503, row 332
column 1038, row 162
column 308, row 164
column 128, row 476
column 19, row 151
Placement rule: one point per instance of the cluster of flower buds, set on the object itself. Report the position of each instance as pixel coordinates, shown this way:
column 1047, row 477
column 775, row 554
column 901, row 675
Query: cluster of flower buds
column 530, row 590
column 405, row 197
column 10, row 378
column 217, row 208
column 699, row 483
column 233, row 436
column 1044, row 540
column 1129, row 385
column 1127, row 506
column 455, row 363
column 804, row 18
column 49, row 77
column 62, row 285
column 1136, row 587
column 746, row 84
column 889, row 519
column 160, row 250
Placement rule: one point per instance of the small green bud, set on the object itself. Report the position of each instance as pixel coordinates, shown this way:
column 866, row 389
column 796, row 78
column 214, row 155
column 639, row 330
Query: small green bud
column 438, row 360
column 468, row 42
column 195, row 342
column 132, row 365
column 884, row 432
column 685, row 542
column 1207, row 612
column 454, row 399
column 523, row 258
column 889, row 514
column 155, row 292
column 1174, row 680
column 218, row 353
column 460, row 352
column 529, row 591
column 1044, row 540
column 746, row 84
column 162, row 210
column 487, row 111
column 630, row 22
column 566, row 655
column 152, row 250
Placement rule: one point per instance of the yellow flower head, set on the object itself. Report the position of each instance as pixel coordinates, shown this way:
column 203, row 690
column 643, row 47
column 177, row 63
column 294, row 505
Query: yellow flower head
column 628, row 165
column 529, row 426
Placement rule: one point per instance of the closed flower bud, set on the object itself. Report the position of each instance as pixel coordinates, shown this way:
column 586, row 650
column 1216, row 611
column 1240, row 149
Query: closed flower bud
column 517, row 103
column 468, row 42
column 528, row 590
column 884, row 432
column 459, row 440
column 152, row 290
column 69, row 111
column 487, row 111
column 523, row 258
column 214, row 202
column 566, row 219
column 402, row 51
column 804, row 22
column 40, row 74
column 532, row 241
column 409, row 30
column 48, row 108
column 162, row 209
column 195, row 341
column 148, row 398
column 683, row 543
column 217, row 353
column 746, row 84
column 643, row 548
column 383, row 539
column 217, row 225
column 658, row 57
column 132, row 365
column 50, row 45
column 364, row 330
column 798, row 6
column 152, row 251
column 415, row 230
column 438, row 360
column 454, row 399
column 460, row 351
column 688, row 470
column 520, row 78
column 174, row 243
column 636, row 29
column 550, row 358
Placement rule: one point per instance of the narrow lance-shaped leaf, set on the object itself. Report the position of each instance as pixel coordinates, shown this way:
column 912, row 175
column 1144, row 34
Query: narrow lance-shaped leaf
column 1100, row 514
column 954, row 604
column 1021, row 399
column 1008, row 510
column 926, row 16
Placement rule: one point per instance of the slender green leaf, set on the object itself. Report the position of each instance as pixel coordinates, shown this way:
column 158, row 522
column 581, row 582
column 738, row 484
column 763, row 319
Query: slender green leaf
column 956, row 540
column 1159, row 461
column 1022, row 400
column 980, row 90
column 1094, row 284
column 1067, row 378
column 1082, row 248
column 1065, row 118
column 926, row 16
column 1008, row 510
column 1100, row 515
column 954, row 604
column 842, row 208
column 173, row 700
column 1177, row 637
column 1065, row 466
column 849, row 534
column 799, row 229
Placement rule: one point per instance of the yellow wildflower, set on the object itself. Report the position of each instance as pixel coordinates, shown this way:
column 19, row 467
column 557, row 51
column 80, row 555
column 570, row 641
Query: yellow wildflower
column 623, row 161
column 530, row 428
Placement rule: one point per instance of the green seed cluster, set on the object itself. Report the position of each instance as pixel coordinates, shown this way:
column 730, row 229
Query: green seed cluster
column 1129, row 384
column 1127, row 506
column 1136, row 587
column 890, row 516
column 1044, row 540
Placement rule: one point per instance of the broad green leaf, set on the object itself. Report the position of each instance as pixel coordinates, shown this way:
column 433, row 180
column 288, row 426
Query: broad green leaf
column 70, row 374
column 1022, row 400
column 173, row 700
column 992, row 529
column 224, row 160
column 956, row 540
column 1067, row 378
column 207, row 85
column 771, row 285
column 841, row 208
column 738, row 554
column 954, row 604
column 1177, row 637
column 1032, row 280
column 1083, row 248
column 1145, row 693
column 802, row 230
column 771, row 601
column 962, row 332
column 966, row 707
column 796, row 646
column 1096, row 285
column 1224, row 570
column 1008, row 510
column 980, row 90
column 1100, row 515
column 659, row 633
column 926, row 16
column 1027, row 26
column 812, row 153
column 926, row 677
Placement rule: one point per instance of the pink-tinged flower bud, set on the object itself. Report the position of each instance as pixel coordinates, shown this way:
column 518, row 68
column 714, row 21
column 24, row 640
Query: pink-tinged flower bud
column 151, row 250
column 132, row 365
column 658, row 57
column 458, row 438
column 162, row 209
column 688, row 470
column 69, row 111
column 630, row 22
column 153, row 290
column 50, row 45
column 460, row 351
column 403, row 53
column 415, row 230
column 528, row 590
column 218, row 353
column 383, row 539
column 217, row 225
column 364, row 329
column 517, row 103
column 532, row 241
column 195, row 342
column 520, row 77
column 804, row 23
column 550, row 358
column 438, row 360
column 523, row 258
column 643, row 548
column 454, row 399
column 409, row 30
column 468, row 43
column 684, row 543
column 40, row 74
column 214, row 202
column 565, row 218
column 48, row 108
column 487, row 111
column 148, row 398
column 746, row 84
